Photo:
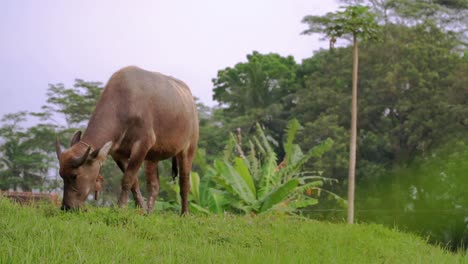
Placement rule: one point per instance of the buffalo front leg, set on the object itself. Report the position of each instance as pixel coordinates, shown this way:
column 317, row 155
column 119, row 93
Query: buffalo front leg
column 130, row 178
column 139, row 201
column 152, row 183
column 130, row 183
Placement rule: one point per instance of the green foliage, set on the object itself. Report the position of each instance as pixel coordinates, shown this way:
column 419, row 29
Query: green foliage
column 28, row 154
column 427, row 196
column 256, row 91
column 75, row 104
column 44, row 234
column 411, row 99
column 256, row 183
column 204, row 197
column 212, row 135
column 356, row 20
column 450, row 15
column 24, row 162
column 258, row 83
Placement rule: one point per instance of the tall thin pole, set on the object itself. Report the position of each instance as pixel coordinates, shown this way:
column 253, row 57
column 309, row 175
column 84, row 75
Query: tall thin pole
column 352, row 143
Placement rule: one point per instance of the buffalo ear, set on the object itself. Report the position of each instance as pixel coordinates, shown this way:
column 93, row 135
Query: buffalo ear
column 76, row 138
column 101, row 153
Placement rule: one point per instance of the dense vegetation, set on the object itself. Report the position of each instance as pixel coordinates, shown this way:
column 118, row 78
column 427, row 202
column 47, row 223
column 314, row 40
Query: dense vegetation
column 412, row 129
column 105, row 235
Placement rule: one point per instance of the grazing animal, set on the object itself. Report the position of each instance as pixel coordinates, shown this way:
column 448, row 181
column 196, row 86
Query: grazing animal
column 141, row 116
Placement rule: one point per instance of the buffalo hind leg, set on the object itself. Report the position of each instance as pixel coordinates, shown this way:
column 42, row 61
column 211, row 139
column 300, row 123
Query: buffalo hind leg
column 152, row 183
column 185, row 160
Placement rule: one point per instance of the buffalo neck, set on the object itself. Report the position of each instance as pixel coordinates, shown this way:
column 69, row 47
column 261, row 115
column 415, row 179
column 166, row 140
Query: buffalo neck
column 103, row 124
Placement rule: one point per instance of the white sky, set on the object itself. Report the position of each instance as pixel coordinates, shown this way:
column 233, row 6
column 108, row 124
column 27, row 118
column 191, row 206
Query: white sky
column 50, row 41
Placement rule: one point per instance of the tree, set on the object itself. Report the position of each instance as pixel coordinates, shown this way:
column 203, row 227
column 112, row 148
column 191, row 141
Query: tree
column 25, row 156
column 449, row 15
column 212, row 136
column 75, row 104
column 321, row 106
column 256, row 91
column 411, row 95
column 360, row 23
column 411, row 98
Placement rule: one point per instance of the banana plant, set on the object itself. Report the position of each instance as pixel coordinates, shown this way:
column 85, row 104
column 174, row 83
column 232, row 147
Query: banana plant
column 204, row 198
column 256, row 183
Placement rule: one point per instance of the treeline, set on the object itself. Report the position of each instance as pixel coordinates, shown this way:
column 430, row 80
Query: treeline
column 412, row 120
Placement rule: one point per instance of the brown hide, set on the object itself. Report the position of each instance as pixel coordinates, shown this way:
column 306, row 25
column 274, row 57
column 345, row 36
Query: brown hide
column 144, row 116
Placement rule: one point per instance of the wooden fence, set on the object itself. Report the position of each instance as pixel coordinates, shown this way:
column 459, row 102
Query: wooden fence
column 30, row 197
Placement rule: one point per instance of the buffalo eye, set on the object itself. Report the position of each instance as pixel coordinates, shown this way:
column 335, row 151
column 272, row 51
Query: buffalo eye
column 73, row 177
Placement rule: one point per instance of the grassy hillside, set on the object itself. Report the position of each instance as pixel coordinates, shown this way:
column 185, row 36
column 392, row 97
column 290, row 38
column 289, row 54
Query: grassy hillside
column 43, row 234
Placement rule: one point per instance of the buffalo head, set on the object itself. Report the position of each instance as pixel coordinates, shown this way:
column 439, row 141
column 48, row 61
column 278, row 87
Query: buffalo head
column 79, row 169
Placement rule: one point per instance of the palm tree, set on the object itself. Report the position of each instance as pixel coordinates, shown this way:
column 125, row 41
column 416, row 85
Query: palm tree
column 359, row 22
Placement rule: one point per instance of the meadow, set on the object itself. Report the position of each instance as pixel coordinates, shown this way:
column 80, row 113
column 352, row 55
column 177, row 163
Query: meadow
column 44, row 234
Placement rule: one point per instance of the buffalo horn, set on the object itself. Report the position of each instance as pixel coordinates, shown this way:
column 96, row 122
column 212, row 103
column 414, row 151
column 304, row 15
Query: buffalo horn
column 58, row 149
column 79, row 161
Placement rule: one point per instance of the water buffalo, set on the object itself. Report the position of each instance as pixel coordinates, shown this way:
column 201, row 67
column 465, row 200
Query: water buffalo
column 140, row 116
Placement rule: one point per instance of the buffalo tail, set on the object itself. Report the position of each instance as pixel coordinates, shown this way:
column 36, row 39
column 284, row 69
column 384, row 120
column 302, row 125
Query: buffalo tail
column 175, row 171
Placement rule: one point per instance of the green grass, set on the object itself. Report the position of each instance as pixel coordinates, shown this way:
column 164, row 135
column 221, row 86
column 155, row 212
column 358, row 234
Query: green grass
column 44, row 234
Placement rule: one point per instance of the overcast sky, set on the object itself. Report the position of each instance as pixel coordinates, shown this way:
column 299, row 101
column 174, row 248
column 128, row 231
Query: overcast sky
column 45, row 42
